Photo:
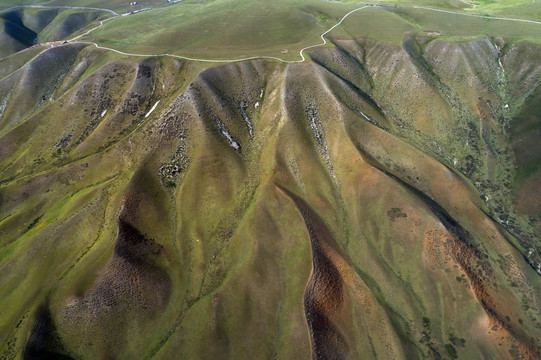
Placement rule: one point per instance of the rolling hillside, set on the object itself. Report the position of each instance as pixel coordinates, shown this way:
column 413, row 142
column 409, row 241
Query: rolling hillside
column 379, row 200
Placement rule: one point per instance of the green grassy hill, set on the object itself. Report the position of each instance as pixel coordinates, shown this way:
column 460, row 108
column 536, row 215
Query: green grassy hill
column 25, row 27
column 229, row 29
column 524, row 9
column 379, row 200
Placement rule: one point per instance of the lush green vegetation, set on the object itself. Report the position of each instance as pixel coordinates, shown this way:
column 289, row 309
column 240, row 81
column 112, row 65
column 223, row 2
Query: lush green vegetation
column 229, row 29
column 223, row 29
column 524, row 9
column 115, row 5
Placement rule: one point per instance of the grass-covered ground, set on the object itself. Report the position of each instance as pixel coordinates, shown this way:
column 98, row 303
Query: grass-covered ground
column 524, row 9
column 233, row 29
column 377, row 201
column 260, row 197
column 229, row 29
column 225, row 29
column 115, row 5
column 25, row 27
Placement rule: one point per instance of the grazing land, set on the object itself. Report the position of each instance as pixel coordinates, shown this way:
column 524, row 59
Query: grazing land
column 270, row 180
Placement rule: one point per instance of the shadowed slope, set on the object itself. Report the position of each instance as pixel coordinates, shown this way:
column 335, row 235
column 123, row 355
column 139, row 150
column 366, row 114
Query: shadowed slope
column 43, row 340
column 25, row 27
column 323, row 297
column 14, row 28
column 134, row 283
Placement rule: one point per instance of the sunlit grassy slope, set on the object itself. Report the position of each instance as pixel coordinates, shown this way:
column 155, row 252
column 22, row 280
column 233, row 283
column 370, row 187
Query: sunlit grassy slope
column 525, row 9
column 229, row 29
column 223, row 29
column 380, row 200
column 116, row 5
column 234, row 29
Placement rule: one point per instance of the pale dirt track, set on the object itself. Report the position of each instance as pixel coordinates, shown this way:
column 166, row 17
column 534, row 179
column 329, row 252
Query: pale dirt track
column 324, row 41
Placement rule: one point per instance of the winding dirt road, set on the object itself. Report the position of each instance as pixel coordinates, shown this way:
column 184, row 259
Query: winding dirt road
column 324, row 41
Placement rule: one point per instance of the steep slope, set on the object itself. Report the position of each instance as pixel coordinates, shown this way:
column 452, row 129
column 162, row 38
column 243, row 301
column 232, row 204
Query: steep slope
column 334, row 209
column 24, row 27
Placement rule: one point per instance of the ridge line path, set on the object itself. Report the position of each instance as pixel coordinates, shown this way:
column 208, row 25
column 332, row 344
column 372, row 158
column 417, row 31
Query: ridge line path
column 303, row 49
column 473, row 15
column 116, row 15
column 435, row 9
column 59, row 7
column 216, row 60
